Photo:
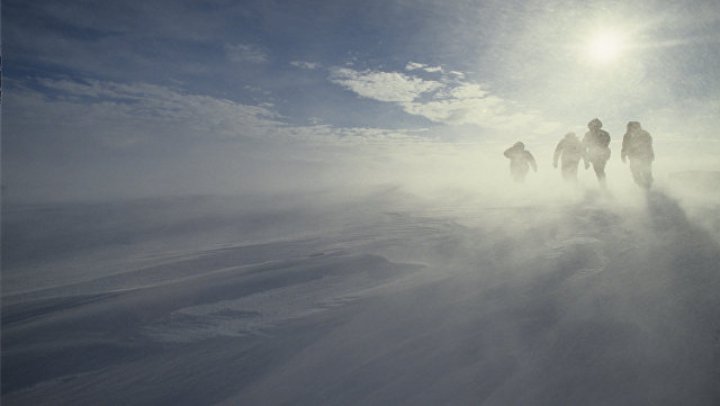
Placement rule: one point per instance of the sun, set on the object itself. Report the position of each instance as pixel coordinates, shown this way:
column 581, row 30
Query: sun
column 605, row 47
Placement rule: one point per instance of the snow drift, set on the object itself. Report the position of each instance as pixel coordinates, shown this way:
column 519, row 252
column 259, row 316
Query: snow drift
column 379, row 299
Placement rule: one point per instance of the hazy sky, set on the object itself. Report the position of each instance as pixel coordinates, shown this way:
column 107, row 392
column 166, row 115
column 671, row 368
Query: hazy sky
column 144, row 96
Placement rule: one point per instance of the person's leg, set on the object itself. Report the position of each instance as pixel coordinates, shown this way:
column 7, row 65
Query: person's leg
column 569, row 170
column 639, row 173
column 599, row 167
column 517, row 174
column 648, row 171
column 643, row 173
column 523, row 173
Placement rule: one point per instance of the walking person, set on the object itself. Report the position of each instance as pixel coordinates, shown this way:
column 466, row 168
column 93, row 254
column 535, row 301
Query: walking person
column 569, row 151
column 637, row 146
column 596, row 149
column 521, row 160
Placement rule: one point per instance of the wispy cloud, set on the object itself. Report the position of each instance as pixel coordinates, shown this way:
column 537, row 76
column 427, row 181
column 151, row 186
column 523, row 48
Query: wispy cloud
column 305, row 65
column 121, row 115
column 117, row 114
column 246, row 53
column 67, row 138
column 411, row 66
column 383, row 86
column 450, row 100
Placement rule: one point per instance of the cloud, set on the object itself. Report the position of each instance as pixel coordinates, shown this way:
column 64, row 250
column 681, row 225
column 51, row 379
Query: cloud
column 451, row 100
column 121, row 115
column 245, row 53
column 305, row 65
column 468, row 91
column 148, row 41
column 414, row 66
column 411, row 66
column 383, row 86
column 70, row 139
column 117, row 114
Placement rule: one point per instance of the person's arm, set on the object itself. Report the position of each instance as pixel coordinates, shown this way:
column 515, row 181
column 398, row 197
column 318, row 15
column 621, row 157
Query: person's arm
column 585, row 142
column 650, row 146
column 531, row 160
column 558, row 151
column 606, row 139
column 625, row 147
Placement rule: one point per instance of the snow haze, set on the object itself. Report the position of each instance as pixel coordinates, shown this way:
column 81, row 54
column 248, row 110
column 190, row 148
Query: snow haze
column 263, row 203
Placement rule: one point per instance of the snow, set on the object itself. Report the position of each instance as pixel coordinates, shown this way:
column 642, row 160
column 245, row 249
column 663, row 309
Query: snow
column 380, row 298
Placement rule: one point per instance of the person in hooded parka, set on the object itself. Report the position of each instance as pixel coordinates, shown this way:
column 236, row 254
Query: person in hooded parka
column 637, row 146
column 596, row 145
column 521, row 160
column 569, row 151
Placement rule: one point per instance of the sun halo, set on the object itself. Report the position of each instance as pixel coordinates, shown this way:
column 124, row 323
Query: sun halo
column 605, row 47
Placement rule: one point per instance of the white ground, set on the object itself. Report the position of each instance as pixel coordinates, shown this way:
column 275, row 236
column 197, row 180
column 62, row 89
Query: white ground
column 380, row 299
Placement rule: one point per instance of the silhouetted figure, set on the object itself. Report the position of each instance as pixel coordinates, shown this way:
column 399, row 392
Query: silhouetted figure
column 596, row 149
column 637, row 146
column 569, row 151
column 520, row 161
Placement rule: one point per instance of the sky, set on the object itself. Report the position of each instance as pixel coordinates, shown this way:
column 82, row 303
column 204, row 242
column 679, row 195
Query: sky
column 135, row 98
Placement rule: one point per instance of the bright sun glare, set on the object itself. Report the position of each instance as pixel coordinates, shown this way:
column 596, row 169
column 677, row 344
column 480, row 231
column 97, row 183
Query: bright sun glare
column 605, row 47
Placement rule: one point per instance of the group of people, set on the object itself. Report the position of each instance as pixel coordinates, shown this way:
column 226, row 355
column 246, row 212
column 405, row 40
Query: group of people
column 594, row 149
